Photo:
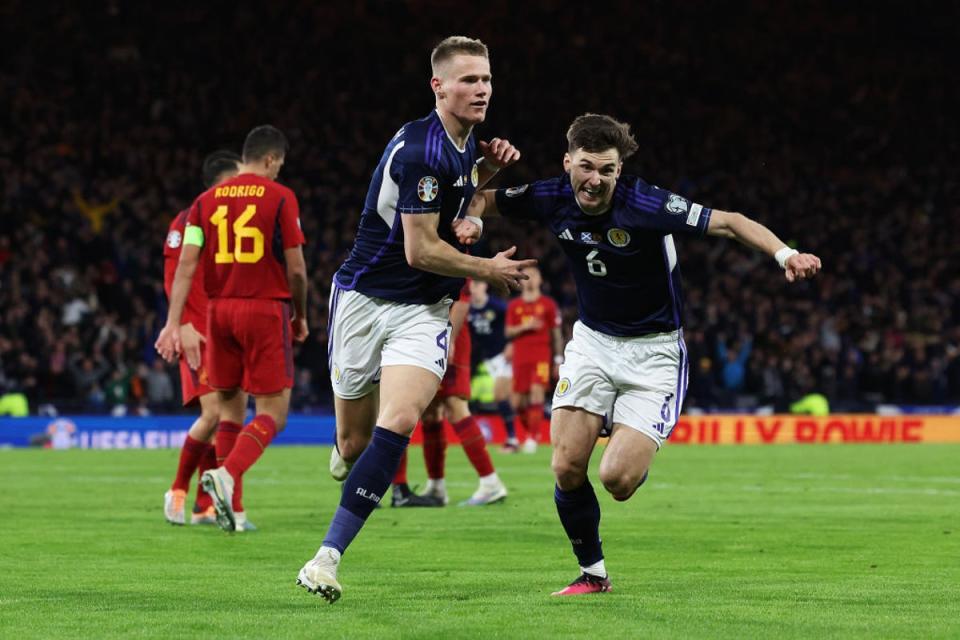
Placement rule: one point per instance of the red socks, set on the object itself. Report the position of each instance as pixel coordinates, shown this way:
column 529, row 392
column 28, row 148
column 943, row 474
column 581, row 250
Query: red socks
column 227, row 433
column 250, row 445
column 534, row 420
column 207, row 461
column 474, row 445
column 434, row 449
column 190, row 456
column 400, row 477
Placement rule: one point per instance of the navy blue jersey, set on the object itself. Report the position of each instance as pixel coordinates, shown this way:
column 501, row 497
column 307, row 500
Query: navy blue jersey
column 487, row 328
column 421, row 172
column 624, row 260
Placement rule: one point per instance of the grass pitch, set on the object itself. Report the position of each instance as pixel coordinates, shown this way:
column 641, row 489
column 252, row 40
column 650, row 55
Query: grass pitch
column 785, row 541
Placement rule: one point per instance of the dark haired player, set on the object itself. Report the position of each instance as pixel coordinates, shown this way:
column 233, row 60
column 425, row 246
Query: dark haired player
column 198, row 452
column 247, row 232
column 625, row 370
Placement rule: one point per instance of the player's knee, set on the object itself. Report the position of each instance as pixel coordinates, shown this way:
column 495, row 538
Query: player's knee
column 402, row 420
column 569, row 474
column 620, row 484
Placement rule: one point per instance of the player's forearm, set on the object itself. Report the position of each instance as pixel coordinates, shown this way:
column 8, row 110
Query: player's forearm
column 436, row 256
column 483, row 204
column 557, row 342
column 298, row 292
column 514, row 331
column 178, row 294
column 746, row 231
column 485, row 173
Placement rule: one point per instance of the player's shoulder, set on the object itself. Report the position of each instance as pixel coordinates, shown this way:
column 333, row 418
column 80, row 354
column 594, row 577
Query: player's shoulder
column 179, row 221
column 422, row 141
column 635, row 192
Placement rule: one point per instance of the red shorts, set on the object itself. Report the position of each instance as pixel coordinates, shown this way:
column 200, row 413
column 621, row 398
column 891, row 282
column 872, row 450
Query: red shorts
column 250, row 345
column 194, row 384
column 456, row 382
column 526, row 374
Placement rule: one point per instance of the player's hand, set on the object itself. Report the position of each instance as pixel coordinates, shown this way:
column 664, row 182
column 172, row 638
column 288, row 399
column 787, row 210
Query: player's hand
column 467, row 232
column 191, row 343
column 499, row 153
column 506, row 274
column 300, row 330
column 168, row 343
column 802, row 266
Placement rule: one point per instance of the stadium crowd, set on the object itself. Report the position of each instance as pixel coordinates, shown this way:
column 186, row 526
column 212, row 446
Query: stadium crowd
column 839, row 145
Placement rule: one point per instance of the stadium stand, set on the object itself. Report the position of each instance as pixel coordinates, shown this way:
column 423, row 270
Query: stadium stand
column 811, row 129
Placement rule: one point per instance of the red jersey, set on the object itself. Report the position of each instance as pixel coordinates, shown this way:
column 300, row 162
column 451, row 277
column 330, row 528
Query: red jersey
column 533, row 346
column 195, row 310
column 247, row 222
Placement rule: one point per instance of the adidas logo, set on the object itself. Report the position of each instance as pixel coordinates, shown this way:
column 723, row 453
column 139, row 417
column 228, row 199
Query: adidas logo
column 460, row 182
column 439, row 363
column 566, row 235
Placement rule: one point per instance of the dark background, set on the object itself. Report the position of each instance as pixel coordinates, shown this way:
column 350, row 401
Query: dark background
column 833, row 123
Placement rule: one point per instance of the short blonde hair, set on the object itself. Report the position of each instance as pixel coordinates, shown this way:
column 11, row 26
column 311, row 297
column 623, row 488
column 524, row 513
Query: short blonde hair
column 455, row 45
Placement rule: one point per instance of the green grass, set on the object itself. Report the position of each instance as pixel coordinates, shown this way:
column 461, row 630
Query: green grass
column 785, row 541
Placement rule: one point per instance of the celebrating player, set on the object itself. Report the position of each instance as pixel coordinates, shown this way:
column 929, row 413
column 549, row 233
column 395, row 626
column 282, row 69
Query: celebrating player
column 197, row 454
column 533, row 323
column 491, row 354
column 625, row 372
column 390, row 300
column 250, row 283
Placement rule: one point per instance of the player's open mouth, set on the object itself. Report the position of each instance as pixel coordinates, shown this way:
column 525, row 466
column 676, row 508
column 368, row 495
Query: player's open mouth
column 592, row 193
column 479, row 105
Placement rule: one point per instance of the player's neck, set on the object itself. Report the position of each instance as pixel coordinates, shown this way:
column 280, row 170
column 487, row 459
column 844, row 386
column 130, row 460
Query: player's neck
column 457, row 131
column 251, row 169
column 480, row 301
column 530, row 297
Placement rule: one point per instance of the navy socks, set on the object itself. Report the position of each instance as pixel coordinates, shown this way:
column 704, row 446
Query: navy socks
column 579, row 513
column 365, row 486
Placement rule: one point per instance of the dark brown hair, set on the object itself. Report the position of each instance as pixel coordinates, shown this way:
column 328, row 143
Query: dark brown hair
column 594, row 133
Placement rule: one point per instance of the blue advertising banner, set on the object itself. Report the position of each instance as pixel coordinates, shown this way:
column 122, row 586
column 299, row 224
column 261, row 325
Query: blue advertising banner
column 151, row 432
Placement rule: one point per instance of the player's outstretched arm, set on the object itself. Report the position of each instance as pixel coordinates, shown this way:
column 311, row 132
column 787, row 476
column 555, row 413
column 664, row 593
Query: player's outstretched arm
column 425, row 250
column 796, row 265
column 297, row 280
column 168, row 343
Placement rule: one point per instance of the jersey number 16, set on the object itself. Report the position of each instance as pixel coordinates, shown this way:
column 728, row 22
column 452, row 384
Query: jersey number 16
column 239, row 253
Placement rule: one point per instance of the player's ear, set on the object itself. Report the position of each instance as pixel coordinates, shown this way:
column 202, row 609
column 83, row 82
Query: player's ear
column 437, row 85
column 619, row 169
column 567, row 161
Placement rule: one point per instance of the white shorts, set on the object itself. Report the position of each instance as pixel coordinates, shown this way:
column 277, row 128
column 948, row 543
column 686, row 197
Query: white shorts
column 366, row 333
column 639, row 382
column 499, row 367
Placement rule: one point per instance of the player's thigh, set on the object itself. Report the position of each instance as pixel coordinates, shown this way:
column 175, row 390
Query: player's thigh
column 356, row 419
column 356, row 331
column 264, row 333
column 626, row 459
column 651, row 387
column 405, row 391
column 223, row 352
column 573, row 433
column 275, row 405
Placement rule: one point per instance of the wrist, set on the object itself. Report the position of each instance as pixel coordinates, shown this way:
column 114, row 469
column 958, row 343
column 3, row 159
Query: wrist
column 475, row 220
column 784, row 254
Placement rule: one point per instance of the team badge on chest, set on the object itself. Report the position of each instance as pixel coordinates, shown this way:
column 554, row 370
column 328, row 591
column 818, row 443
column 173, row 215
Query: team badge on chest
column 618, row 237
column 475, row 176
column 427, row 188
